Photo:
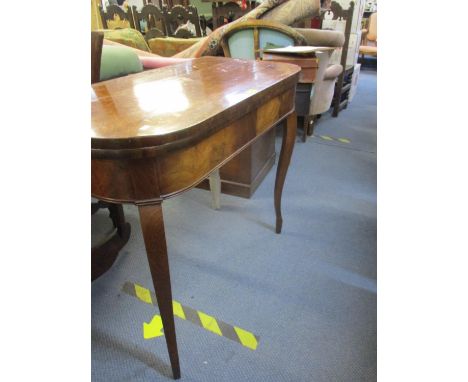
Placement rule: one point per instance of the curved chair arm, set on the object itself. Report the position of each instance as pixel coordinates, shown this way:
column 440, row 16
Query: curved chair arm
column 332, row 72
column 319, row 37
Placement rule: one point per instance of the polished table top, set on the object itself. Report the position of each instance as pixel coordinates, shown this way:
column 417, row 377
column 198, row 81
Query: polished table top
column 180, row 102
column 159, row 133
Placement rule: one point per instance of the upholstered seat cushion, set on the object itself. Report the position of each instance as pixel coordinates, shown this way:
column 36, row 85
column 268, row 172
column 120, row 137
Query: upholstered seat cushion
column 127, row 36
column 366, row 49
column 118, row 61
column 332, row 72
column 169, row 46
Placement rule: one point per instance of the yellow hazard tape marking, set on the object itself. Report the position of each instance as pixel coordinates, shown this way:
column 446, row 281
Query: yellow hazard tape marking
column 143, row 294
column 178, row 311
column 212, row 324
column 154, row 328
column 209, row 323
column 247, row 338
column 332, row 139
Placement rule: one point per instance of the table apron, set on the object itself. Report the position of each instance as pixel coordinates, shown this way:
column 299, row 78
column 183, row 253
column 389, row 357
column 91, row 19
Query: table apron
column 149, row 180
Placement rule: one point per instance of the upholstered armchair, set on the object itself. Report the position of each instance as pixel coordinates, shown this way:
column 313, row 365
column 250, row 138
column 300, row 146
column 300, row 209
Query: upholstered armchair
column 369, row 38
column 162, row 46
column 327, row 75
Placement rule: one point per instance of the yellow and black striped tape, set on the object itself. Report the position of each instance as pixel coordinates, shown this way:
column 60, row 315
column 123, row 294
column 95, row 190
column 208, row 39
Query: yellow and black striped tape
column 332, row 139
column 207, row 322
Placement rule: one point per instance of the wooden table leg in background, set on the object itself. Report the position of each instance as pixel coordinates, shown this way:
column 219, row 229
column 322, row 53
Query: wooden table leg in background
column 104, row 255
column 287, row 145
column 152, row 225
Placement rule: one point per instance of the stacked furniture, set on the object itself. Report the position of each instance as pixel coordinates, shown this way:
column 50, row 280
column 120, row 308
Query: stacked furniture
column 337, row 14
column 326, row 77
column 369, row 37
column 226, row 11
column 242, row 175
column 154, row 20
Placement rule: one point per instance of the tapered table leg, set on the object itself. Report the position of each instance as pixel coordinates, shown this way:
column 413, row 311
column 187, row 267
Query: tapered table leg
column 287, row 145
column 152, row 225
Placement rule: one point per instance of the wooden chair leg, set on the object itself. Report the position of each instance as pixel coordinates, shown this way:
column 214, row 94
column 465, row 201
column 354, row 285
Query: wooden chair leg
column 215, row 187
column 313, row 122
column 152, row 226
column 104, row 255
column 337, row 100
column 306, row 127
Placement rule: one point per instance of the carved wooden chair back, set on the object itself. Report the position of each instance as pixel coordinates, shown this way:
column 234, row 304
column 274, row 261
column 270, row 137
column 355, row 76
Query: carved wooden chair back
column 179, row 15
column 227, row 11
column 172, row 3
column 337, row 13
column 115, row 17
column 97, row 39
column 247, row 39
column 150, row 21
column 159, row 3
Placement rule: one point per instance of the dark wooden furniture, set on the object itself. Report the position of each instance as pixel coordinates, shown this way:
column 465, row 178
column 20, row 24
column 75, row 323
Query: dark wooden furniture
column 105, row 254
column 150, row 21
column 343, row 85
column 309, row 67
column 148, row 145
column 97, row 39
column 179, row 15
column 225, row 11
column 243, row 174
column 114, row 11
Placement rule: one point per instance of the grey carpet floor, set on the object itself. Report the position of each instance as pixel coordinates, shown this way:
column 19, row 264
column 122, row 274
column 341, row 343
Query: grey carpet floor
column 309, row 294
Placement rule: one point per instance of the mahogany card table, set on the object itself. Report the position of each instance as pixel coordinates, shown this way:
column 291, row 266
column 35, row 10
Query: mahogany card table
column 160, row 132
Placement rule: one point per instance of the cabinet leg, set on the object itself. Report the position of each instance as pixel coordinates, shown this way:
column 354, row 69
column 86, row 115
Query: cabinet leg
column 306, row 127
column 152, row 225
column 289, row 138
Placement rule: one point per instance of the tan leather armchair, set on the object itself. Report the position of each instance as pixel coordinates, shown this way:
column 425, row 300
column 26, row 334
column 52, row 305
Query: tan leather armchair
column 324, row 85
column 369, row 38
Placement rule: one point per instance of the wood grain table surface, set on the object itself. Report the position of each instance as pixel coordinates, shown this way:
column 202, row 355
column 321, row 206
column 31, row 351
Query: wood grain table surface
column 158, row 133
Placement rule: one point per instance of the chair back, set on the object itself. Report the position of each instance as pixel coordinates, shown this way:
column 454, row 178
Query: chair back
column 372, row 28
column 97, row 39
column 338, row 13
column 228, row 11
column 179, row 15
column 150, row 21
column 247, row 39
column 160, row 3
column 115, row 17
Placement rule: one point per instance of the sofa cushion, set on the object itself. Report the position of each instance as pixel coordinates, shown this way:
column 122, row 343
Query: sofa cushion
column 367, row 49
column 118, row 61
column 127, row 36
column 169, row 46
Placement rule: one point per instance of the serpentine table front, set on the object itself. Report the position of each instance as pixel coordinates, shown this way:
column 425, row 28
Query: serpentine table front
column 159, row 133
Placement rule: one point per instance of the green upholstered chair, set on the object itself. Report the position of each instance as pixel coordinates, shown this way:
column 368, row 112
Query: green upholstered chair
column 247, row 39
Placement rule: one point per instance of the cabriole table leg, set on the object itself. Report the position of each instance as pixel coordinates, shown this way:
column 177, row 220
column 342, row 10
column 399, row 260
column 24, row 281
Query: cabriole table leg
column 152, row 225
column 287, row 145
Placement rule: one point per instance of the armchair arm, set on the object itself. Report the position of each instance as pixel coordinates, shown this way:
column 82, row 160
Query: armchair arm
column 319, row 37
column 332, row 72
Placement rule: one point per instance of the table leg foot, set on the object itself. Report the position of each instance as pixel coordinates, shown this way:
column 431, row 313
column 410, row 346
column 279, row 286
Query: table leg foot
column 289, row 138
column 152, row 225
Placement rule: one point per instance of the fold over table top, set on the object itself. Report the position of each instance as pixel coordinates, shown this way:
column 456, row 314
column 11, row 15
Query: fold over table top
column 178, row 104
